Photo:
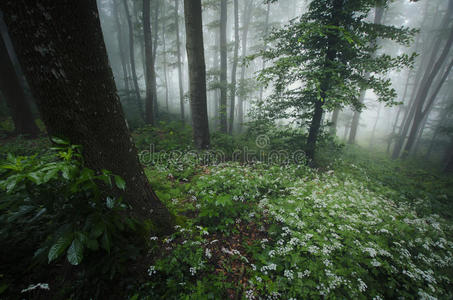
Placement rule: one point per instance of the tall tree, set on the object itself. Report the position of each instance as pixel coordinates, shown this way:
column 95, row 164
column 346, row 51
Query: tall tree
column 246, row 18
column 378, row 16
column 197, row 72
column 178, row 54
column 235, row 65
column 14, row 95
column 65, row 62
column 120, row 38
column 330, row 49
column 130, row 26
column 223, row 66
column 150, row 74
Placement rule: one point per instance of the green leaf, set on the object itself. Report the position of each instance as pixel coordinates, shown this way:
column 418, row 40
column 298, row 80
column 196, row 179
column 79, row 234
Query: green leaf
column 120, row 183
column 110, row 202
column 59, row 247
column 75, row 252
column 59, row 141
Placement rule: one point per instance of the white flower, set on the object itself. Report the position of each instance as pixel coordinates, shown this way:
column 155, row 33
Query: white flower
column 151, row 270
column 208, row 253
column 375, row 263
column 193, row 271
column 153, row 238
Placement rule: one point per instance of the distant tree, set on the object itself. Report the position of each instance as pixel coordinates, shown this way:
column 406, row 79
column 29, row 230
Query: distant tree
column 197, row 72
column 14, row 95
column 130, row 26
column 234, row 68
column 320, row 62
column 65, row 62
column 178, row 55
column 223, row 66
column 150, row 71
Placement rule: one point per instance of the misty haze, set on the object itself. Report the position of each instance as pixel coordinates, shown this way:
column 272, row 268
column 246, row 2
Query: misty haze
column 226, row 149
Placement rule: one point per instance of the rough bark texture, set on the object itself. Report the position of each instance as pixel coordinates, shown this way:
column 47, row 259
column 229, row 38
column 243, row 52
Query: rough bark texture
column 14, row 95
column 178, row 50
column 62, row 52
column 132, row 58
column 223, row 66
column 235, row 65
column 150, row 74
column 197, row 72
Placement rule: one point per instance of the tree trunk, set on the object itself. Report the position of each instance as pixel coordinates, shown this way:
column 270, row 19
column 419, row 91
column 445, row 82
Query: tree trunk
column 66, row 64
column 421, row 112
column 120, row 44
column 132, row 59
column 373, row 132
column 151, row 89
column 334, row 121
column 223, row 66
column 449, row 159
column 314, row 129
column 248, row 8
column 420, row 91
column 164, row 48
column 266, row 30
column 14, row 95
column 155, row 35
column 378, row 15
column 235, row 65
column 197, row 72
column 178, row 54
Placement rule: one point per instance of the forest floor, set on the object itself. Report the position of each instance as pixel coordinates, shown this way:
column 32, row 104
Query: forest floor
column 360, row 226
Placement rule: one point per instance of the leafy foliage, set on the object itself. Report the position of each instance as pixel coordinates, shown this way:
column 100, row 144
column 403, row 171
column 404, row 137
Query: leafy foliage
column 57, row 208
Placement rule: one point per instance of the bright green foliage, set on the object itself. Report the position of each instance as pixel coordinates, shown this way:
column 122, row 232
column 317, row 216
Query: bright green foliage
column 324, row 56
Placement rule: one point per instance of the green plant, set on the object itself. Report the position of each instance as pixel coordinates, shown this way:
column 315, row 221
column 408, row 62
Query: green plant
column 58, row 209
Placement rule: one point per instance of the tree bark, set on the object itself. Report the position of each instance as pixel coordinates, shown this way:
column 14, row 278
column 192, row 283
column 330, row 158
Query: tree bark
column 120, row 44
column 334, row 121
column 14, row 95
column 66, row 64
column 138, row 100
column 378, row 15
column 235, row 65
column 266, row 30
column 150, row 74
column 178, row 50
column 164, row 48
column 197, row 72
column 223, row 66
column 248, row 8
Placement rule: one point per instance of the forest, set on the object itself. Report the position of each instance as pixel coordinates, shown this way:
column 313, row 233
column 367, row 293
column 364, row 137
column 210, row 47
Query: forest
column 226, row 149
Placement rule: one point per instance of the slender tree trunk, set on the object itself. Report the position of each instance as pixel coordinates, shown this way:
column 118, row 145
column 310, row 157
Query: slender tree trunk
column 248, row 8
column 420, row 99
column 120, row 44
column 223, row 66
column 164, row 47
column 14, row 95
column 449, row 159
column 151, row 89
column 132, row 58
column 235, row 65
column 378, row 16
column 331, row 54
column 197, row 72
column 155, row 35
column 266, row 30
column 76, row 92
column 422, row 87
column 334, row 121
column 178, row 50
column 373, row 132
